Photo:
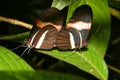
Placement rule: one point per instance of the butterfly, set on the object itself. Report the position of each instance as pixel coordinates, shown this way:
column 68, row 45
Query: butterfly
column 51, row 29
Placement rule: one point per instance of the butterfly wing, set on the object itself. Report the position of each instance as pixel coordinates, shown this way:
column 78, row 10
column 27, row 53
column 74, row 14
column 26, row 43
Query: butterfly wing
column 44, row 38
column 52, row 16
column 43, row 34
column 76, row 30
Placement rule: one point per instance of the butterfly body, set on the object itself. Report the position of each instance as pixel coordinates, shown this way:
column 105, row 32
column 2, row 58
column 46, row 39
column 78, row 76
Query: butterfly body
column 51, row 30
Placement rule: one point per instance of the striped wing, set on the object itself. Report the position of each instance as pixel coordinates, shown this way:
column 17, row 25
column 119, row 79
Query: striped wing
column 75, row 33
column 43, row 34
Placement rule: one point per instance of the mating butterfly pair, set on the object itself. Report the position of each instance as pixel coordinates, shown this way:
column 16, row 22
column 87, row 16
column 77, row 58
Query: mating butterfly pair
column 51, row 30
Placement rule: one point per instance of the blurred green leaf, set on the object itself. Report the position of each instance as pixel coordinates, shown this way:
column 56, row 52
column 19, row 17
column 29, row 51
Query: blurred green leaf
column 114, row 3
column 11, row 62
column 16, row 37
column 39, row 75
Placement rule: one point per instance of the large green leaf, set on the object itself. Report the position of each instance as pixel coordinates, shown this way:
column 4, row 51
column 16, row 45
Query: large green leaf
column 92, row 60
column 88, row 61
column 13, row 67
column 11, row 62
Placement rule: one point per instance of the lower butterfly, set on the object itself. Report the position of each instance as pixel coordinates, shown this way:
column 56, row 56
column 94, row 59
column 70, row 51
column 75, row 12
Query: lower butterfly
column 50, row 29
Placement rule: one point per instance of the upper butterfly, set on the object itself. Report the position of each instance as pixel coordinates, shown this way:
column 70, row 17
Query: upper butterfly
column 76, row 31
column 50, row 29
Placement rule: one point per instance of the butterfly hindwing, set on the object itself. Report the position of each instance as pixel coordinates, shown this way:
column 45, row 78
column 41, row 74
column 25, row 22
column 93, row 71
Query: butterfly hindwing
column 45, row 38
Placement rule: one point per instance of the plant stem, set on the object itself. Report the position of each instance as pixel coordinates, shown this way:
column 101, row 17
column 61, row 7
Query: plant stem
column 115, row 12
column 16, row 22
column 114, row 69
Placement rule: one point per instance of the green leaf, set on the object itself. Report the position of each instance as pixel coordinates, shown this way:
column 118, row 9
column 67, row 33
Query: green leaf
column 92, row 60
column 16, row 37
column 39, row 75
column 11, row 62
column 60, row 4
column 100, row 32
column 88, row 61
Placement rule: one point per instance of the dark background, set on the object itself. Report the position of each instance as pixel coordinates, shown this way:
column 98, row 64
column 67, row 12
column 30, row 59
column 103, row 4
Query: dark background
column 23, row 10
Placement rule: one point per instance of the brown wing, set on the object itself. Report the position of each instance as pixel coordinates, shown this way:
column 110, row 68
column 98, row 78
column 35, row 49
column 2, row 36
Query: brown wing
column 43, row 34
column 76, row 30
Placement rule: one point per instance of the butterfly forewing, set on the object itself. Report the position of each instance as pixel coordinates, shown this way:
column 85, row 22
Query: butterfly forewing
column 52, row 16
